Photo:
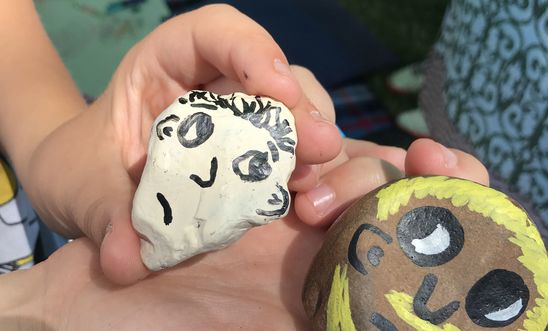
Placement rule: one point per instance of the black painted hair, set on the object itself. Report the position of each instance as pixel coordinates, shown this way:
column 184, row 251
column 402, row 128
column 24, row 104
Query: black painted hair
column 256, row 112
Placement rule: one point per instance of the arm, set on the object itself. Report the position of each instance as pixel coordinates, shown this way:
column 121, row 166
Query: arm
column 37, row 93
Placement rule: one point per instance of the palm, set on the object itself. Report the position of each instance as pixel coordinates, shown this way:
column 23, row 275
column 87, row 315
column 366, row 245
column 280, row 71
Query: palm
column 254, row 284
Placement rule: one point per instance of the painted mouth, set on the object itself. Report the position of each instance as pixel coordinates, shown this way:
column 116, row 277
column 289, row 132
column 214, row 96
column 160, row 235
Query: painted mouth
column 419, row 307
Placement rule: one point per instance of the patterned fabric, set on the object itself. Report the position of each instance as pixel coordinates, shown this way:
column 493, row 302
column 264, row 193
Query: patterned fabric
column 18, row 224
column 496, row 88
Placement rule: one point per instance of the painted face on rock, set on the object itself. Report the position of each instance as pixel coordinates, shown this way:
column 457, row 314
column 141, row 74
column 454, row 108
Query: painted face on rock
column 430, row 254
column 217, row 166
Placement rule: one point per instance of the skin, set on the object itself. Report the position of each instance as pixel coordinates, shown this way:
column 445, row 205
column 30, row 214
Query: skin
column 95, row 157
column 255, row 283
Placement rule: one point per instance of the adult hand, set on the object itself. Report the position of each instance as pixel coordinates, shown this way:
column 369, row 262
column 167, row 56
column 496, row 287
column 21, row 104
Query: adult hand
column 255, row 284
column 85, row 173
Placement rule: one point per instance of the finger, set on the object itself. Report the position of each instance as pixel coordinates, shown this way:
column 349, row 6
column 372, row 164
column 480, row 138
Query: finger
column 352, row 148
column 305, row 177
column 319, row 140
column 120, row 251
column 427, row 157
column 340, row 187
column 393, row 155
column 217, row 40
column 301, row 180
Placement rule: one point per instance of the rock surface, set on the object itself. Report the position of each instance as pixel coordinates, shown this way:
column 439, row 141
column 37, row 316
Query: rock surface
column 217, row 165
column 430, row 253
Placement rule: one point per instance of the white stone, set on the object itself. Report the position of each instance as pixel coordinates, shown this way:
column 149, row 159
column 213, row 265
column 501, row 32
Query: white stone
column 216, row 166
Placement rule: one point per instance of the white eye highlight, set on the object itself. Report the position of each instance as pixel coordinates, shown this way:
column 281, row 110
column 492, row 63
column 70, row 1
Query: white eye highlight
column 435, row 243
column 506, row 313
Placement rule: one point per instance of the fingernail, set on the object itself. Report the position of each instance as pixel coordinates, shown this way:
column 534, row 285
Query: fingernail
column 449, row 158
column 282, row 67
column 322, row 197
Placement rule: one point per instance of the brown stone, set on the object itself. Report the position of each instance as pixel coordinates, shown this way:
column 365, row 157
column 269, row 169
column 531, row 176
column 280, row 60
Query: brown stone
column 423, row 252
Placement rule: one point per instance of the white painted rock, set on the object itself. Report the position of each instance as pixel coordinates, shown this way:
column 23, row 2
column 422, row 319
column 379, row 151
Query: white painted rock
column 217, row 165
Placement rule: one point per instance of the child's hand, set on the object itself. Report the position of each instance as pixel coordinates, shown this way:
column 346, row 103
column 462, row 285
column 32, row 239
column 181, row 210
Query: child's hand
column 85, row 173
column 363, row 166
column 325, row 190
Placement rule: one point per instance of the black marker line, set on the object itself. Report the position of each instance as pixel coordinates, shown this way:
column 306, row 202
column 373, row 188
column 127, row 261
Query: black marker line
column 275, row 200
column 382, row 323
column 353, row 246
column 159, row 131
column 421, row 299
column 282, row 209
column 204, row 129
column 168, row 217
column 212, row 175
column 204, row 105
column 273, row 151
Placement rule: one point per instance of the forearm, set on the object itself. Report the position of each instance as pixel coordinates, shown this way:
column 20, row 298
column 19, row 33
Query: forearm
column 37, row 93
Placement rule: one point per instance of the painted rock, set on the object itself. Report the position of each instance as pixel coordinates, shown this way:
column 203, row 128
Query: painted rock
column 217, row 165
column 430, row 253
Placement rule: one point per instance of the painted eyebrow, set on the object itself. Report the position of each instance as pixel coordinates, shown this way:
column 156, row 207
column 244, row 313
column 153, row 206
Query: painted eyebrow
column 352, row 247
column 165, row 130
column 204, row 105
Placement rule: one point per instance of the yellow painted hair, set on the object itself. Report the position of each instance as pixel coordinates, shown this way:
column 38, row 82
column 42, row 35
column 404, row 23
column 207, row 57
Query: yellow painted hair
column 491, row 204
column 339, row 317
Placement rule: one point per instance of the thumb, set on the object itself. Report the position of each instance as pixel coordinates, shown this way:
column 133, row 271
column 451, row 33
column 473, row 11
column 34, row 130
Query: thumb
column 120, row 251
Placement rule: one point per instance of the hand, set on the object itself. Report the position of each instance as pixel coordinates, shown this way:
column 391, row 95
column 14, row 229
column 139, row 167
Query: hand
column 254, row 284
column 85, row 173
column 363, row 166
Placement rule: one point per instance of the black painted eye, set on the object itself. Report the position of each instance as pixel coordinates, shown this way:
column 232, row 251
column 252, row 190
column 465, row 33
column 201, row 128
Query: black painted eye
column 430, row 236
column 497, row 299
column 257, row 168
column 203, row 130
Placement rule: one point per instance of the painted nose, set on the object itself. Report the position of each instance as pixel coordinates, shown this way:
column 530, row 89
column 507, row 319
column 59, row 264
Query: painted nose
column 421, row 299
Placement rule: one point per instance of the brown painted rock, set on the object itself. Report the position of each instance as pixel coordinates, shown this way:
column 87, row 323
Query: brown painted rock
column 430, row 253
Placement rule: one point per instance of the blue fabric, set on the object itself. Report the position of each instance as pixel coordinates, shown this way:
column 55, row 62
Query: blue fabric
column 318, row 34
column 359, row 114
column 496, row 90
column 49, row 240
